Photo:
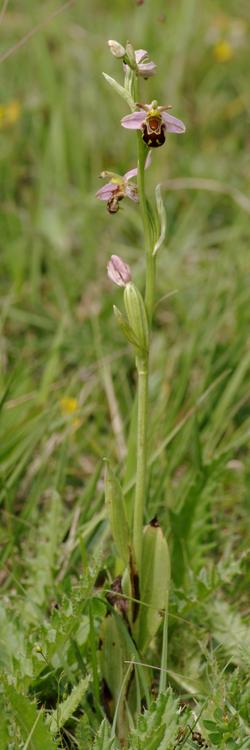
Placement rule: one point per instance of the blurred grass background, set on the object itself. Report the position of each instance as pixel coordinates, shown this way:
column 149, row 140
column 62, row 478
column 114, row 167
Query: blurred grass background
column 66, row 376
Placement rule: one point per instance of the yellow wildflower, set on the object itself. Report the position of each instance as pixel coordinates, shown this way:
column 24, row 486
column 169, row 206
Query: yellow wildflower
column 68, row 405
column 223, row 51
column 9, row 113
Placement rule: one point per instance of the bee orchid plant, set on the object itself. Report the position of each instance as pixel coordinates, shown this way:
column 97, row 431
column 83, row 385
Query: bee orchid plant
column 138, row 598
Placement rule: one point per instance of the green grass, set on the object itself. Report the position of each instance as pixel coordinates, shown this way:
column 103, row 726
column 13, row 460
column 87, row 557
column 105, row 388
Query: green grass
column 59, row 339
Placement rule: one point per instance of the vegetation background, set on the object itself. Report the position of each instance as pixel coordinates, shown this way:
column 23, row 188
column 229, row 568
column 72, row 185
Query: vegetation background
column 67, row 380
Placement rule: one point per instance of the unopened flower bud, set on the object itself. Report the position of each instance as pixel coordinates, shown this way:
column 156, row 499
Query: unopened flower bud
column 137, row 316
column 130, row 56
column 116, row 49
column 118, row 271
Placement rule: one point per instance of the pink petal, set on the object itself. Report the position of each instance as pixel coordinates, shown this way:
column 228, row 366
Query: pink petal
column 147, row 69
column 140, row 54
column 130, row 173
column 106, row 192
column 173, row 125
column 132, row 193
column 133, row 121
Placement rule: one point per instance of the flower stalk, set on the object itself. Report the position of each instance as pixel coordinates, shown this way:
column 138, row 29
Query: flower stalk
column 142, row 366
column 150, row 262
column 142, row 549
column 152, row 123
column 141, row 467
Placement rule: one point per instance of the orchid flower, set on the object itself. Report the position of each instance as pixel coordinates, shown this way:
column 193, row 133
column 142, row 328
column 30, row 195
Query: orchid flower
column 154, row 122
column 119, row 187
column 145, row 67
column 137, row 59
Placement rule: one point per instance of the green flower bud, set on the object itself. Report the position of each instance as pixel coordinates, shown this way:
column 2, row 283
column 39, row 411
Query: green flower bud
column 116, row 48
column 137, row 316
column 130, row 58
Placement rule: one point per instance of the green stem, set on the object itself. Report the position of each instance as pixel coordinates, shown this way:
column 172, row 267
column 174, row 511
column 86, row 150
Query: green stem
column 150, row 261
column 150, row 286
column 142, row 365
column 140, row 489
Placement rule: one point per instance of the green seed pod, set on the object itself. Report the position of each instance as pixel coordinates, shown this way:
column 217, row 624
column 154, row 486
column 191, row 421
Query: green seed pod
column 154, row 584
column 137, row 316
column 117, row 513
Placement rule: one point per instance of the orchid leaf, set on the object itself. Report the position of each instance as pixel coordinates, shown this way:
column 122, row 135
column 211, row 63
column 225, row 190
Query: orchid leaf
column 120, row 90
column 154, row 585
